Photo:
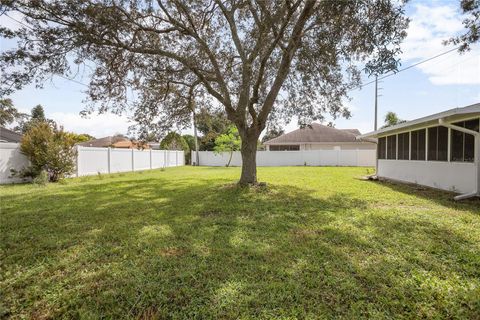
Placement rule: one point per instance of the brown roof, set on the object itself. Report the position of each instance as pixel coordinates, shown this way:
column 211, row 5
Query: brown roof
column 317, row 133
column 128, row 144
column 9, row 135
column 103, row 142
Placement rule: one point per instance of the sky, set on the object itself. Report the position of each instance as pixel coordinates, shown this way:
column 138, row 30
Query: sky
column 450, row 81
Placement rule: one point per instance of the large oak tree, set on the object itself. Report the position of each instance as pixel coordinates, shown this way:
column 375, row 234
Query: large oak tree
column 254, row 59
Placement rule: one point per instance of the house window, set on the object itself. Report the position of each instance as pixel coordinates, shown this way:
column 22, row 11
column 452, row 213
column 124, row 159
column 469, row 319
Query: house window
column 418, row 145
column 438, row 144
column 382, row 148
column 463, row 144
column 403, row 146
column 392, row 147
column 285, row 148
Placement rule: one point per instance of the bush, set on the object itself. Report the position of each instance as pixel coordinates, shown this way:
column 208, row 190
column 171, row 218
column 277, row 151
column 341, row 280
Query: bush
column 49, row 149
column 42, row 178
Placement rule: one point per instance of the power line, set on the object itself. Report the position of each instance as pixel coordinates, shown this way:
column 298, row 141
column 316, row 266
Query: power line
column 18, row 21
column 410, row 66
column 59, row 75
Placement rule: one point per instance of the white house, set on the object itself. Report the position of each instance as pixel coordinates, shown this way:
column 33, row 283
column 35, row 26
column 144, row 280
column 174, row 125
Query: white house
column 440, row 151
column 319, row 137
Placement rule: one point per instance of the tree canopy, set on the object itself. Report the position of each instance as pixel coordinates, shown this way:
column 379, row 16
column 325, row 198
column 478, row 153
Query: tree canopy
column 228, row 142
column 49, row 149
column 391, row 119
column 8, row 112
column 37, row 115
column 254, row 60
column 471, row 8
column 211, row 124
column 174, row 141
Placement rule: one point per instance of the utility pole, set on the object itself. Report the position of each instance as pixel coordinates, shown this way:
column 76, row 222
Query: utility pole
column 197, row 157
column 376, row 102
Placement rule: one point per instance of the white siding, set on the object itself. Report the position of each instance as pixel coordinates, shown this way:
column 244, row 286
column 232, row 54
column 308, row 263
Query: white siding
column 451, row 176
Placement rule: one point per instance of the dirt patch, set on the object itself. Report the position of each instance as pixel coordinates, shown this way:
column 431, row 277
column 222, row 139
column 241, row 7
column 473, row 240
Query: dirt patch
column 172, row 252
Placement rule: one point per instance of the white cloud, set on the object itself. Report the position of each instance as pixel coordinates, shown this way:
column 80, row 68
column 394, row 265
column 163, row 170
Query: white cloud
column 96, row 125
column 429, row 27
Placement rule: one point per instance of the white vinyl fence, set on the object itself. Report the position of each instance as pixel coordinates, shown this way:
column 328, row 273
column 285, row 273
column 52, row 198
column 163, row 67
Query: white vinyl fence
column 92, row 161
column 341, row 158
column 109, row 160
column 11, row 158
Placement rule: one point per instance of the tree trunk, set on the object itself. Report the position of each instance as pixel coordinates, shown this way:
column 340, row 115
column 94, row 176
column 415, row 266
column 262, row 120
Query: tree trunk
column 249, row 160
column 230, row 159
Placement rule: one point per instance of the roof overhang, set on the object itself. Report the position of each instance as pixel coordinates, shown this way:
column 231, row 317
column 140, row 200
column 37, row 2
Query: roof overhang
column 312, row 142
column 452, row 115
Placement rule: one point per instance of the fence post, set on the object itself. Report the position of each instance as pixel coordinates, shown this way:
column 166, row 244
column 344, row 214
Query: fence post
column 151, row 159
column 133, row 159
column 165, row 155
column 78, row 161
column 176, row 158
column 109, row 155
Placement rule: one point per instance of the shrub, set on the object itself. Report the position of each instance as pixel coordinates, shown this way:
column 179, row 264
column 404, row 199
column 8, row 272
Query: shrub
column 49, row 149
column 42, row 178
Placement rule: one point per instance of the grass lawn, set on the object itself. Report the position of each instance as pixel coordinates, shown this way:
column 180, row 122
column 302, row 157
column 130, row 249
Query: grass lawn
column 187, row 243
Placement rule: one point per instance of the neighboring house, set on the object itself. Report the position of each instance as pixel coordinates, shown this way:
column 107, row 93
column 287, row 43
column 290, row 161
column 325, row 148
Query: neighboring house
column 441, row 151
column 318, row 137
column 7, row 135
column 114, row 142
column 154, row 145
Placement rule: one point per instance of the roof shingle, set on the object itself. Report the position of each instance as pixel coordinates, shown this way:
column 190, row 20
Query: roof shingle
column 316, row 133
column 9, row 135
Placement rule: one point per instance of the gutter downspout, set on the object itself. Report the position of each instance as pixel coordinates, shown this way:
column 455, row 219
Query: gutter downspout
column 476, row 192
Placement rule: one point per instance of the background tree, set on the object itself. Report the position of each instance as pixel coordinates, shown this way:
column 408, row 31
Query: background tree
column 79, row 137
column 37, row 115
column 8, row 113
column 273, row 132
column 190, row 140
column 174, row 141
column 237, row 55
column 228, row 142
column 391, row 119
column 48, row 149
column 211, row 124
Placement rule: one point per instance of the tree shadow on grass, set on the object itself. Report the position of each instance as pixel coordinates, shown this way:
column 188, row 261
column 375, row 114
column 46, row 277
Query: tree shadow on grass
column 148, row 248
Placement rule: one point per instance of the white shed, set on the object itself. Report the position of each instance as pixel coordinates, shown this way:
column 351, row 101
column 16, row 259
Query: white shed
column 440, row 151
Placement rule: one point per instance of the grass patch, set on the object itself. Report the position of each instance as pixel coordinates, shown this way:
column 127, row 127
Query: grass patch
column 186, row 243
